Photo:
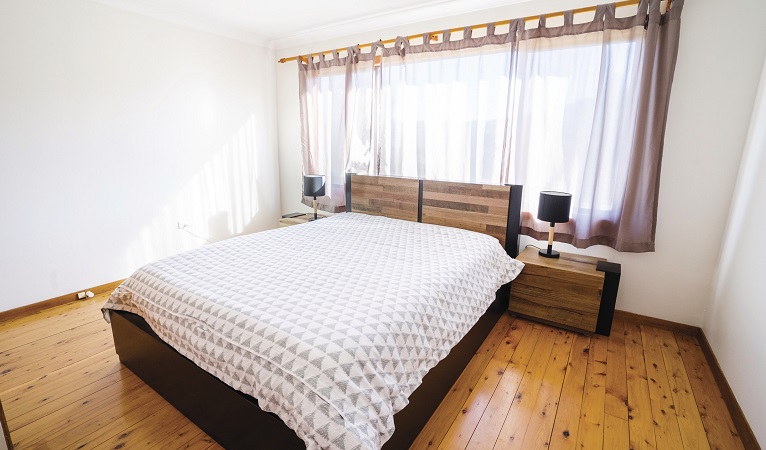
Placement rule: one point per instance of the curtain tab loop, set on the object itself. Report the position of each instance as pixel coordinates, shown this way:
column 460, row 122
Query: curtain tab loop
column 654, row 11
column 312, row 64
column 467, row 32
column 643, row 7
column 600, row 13
column 609, row 11
column 517, row 25
column 401, row 45
column 446, row 36
column 490, row 29
column 353, row 54
column 515, row 28
column 541, row 21
column 568, row 18
column 376, row 47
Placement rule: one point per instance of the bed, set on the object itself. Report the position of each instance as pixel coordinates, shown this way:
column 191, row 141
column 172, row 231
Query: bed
column 277, row 316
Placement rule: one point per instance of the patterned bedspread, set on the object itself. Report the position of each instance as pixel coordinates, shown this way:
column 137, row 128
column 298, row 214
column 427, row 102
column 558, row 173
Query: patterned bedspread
column 330, row 325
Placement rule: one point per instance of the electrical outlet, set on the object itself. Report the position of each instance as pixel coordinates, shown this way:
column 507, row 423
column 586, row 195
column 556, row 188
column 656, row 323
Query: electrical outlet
column 80, row 295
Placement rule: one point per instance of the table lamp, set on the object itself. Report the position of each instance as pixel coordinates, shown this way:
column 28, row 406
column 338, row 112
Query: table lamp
column 313, row 186
column 554, row 208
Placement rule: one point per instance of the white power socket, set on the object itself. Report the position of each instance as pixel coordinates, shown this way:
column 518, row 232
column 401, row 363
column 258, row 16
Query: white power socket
column 80, row 295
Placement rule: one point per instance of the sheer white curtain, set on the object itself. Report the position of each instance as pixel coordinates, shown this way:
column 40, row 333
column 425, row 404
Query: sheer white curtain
column 336, row 122
column 554, row 113
column 573, row 123
column 551, row 113
column 443, row 114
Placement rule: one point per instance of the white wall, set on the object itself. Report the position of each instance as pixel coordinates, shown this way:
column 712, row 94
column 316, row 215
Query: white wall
column 715, row 82
column 113, row 128
column 734, row 321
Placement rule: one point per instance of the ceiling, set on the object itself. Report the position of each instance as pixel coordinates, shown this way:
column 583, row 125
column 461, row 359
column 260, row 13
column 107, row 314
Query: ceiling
column 293, row 22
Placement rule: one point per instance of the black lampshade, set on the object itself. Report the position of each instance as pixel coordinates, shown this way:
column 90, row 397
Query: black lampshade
column 554, row 206
column 313, row 185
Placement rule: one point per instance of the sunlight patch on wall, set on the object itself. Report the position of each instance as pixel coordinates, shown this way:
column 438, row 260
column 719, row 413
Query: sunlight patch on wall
column 218, row 202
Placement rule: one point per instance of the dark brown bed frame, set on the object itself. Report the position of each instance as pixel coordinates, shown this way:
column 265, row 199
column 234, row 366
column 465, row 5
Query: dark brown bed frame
column 234, row 419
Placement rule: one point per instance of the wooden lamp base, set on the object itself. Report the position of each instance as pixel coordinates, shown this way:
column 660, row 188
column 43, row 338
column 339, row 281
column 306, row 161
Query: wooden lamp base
column 550, row 252
column 311, row 219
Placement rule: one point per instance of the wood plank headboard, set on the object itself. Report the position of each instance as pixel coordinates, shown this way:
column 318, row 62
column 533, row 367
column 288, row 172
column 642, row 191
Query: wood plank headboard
column 384, row 196
column 490, row 209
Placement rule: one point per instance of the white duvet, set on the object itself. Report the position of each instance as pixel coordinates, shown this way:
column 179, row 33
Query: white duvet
column 330, row 325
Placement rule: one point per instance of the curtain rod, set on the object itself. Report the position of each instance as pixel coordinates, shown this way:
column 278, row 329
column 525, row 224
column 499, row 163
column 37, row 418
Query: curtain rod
column 434, row 34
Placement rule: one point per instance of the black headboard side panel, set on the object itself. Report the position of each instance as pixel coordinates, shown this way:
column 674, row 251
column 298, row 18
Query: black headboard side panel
column 348, row 191
column 513, row 228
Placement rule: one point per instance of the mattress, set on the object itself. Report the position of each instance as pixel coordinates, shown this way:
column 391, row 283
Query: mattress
column 330, row 325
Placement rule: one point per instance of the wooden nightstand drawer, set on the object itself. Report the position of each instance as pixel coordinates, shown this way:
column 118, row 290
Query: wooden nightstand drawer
column 566, row 292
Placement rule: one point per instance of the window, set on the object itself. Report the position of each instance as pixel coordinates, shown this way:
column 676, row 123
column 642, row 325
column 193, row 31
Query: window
column 549, row 108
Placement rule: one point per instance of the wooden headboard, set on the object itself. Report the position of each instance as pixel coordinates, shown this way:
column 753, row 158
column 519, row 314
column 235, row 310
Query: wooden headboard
column 490, row 209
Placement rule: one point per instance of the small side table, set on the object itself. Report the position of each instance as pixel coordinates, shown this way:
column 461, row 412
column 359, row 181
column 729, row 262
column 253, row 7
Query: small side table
column 575, row 292
column 303, row 218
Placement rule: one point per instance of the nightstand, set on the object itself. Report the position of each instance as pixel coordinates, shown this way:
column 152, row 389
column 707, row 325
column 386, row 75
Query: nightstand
column 575, row 292
column 303, row 218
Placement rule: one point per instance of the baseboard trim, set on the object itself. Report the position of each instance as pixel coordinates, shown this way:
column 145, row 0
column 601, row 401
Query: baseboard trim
column 658, row 323
column 737, row 415
column 28, row 310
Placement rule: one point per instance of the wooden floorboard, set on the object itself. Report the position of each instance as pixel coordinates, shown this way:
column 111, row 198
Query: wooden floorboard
column 567, row 422
column 591, row 432
column 640, row 421
column 528, row 386
column 719, row 427
column 514, row 427
column 461, row 430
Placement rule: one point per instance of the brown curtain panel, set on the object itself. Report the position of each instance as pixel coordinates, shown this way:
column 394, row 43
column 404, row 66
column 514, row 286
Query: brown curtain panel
column 634, row 229
column 335, row 111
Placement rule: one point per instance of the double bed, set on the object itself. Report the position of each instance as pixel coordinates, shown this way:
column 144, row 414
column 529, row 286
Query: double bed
column 343, row 333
